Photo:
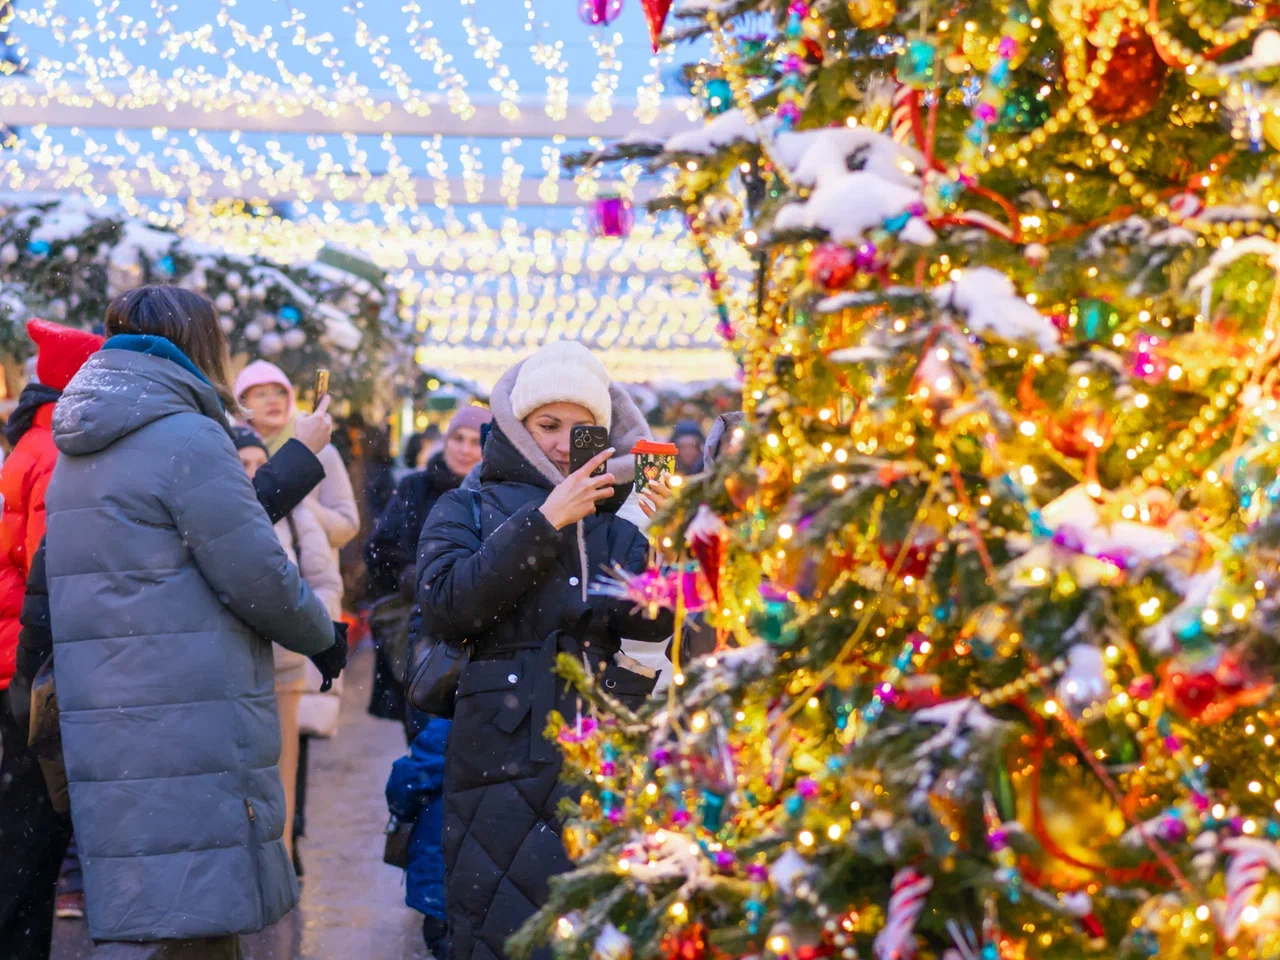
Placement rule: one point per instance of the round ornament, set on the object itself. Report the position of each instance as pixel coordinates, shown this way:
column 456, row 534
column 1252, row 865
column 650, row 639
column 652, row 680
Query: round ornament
column 872, row 14
column 612, row 944
column 717, row 95
column 233, row 281
column 918, row 555
column 832, row 267
column 1024, row 109
column 8, row 254
column 271, row 344
column 225, row 302
column 294, row 339
column 1133, row 81
column 38, row 248
column 226, row 323
column 599, row 13
column 1080, row 432
column 720, row 213
column 916, row 64
column 1094, row 319
column 253, row 332
column 1190, row 694
column 290, row 316
column 70, row 252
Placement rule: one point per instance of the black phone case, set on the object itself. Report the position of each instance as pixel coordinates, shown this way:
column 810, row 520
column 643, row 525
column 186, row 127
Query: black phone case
column 585, row 443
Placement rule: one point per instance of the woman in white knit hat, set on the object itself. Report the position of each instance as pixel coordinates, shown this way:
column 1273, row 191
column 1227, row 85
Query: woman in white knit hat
column 508, row 570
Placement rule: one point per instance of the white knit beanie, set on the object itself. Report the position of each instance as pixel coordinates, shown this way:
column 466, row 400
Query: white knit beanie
column 563, row 372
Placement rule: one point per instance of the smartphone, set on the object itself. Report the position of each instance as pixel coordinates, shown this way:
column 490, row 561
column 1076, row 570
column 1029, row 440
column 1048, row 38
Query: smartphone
column 322, row 383
column 585, row 443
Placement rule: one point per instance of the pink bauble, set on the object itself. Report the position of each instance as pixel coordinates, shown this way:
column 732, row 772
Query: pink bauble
column 597, row 13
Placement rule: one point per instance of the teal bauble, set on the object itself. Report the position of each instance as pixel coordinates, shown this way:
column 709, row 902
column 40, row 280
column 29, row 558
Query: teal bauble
column 1094, row 320
column 717, row 95
column 916, row 64
column 1024, row 109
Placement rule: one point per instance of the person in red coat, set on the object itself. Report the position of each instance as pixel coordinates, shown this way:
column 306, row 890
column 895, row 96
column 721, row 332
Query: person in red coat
column 25, row 914
column 26, row 471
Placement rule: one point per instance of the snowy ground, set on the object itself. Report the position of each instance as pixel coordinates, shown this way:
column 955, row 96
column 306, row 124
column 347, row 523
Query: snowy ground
column 352, row 903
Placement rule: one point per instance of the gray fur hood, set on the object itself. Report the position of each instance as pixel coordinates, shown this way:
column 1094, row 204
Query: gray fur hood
column 629, row 426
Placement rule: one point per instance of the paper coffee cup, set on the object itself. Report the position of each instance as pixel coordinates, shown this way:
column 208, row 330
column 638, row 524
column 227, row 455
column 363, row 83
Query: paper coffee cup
column 653, row 459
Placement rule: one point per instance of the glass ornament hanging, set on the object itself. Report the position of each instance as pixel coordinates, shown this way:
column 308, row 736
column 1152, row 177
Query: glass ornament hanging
column 611, row 217
column 599, row 13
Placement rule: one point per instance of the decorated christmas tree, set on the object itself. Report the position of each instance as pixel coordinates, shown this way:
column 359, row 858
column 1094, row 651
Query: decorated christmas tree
column 992, row 561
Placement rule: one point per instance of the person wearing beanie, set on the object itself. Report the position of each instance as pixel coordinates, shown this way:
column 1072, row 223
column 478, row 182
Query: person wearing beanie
column 266, row 393
column 61, row 351
column 307, row 547
column 689, row 441
column 516, row 587
column 392, row 549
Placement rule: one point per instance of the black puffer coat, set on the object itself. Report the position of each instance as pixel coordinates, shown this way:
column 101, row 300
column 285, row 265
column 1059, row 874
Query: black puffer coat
column 518, row 592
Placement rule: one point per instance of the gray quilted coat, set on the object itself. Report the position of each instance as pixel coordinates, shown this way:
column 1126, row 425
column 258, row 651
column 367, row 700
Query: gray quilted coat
column 167, row 586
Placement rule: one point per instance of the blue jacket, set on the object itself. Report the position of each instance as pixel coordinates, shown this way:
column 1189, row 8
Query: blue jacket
column 415, row 792
column 167, row 587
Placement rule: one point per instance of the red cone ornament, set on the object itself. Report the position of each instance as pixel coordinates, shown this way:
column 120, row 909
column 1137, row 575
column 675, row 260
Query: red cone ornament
column 655, row 13
column 706, row 536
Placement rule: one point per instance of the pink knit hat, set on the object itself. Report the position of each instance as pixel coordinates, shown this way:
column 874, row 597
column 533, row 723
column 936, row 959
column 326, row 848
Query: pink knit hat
column 469, row 418
column 259, row 373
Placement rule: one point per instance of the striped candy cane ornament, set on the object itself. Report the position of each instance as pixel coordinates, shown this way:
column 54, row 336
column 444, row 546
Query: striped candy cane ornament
column 906, row 900
column 1245, row 873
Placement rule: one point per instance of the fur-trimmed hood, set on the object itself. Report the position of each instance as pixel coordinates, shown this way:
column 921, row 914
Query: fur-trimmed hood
column 510, row 454
column 628, row 426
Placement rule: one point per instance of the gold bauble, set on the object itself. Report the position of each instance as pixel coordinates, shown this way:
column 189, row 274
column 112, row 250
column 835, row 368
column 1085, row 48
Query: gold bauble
column 720, row 214
column 983, row 50
column 1271, row 129
column 872, row 14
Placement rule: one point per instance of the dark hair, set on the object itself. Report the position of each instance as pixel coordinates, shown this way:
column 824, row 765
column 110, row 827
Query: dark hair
column 412, row 447
column 186, row 319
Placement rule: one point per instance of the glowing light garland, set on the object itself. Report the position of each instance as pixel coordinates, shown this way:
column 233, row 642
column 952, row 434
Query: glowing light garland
column 496, row 289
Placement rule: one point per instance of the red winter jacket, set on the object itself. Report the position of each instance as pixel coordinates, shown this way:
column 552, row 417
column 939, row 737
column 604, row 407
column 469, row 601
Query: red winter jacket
column 23, row 480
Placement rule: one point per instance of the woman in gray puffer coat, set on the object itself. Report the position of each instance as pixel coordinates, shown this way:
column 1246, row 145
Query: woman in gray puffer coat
column 167, row 586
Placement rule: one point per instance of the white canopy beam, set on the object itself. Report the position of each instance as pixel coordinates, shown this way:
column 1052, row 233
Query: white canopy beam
column 25, row 102
column 411, row 192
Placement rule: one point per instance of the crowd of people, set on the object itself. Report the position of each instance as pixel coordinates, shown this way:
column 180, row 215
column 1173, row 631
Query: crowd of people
column 173, row 630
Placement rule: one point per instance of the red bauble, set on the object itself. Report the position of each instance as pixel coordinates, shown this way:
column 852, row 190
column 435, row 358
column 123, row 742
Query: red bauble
column 832, row 266
column 1133, row 81
column 1190, row 694
column 1080, row 432
column 915, row 564
column 687, row 943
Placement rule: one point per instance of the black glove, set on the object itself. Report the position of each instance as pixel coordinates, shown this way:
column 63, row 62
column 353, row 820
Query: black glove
column 331, row 662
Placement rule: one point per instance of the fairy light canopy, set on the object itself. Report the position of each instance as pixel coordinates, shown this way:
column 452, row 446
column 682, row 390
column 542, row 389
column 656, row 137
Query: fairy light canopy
column 428, row 136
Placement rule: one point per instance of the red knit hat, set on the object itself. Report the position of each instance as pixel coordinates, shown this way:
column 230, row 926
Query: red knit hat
column 62, row 351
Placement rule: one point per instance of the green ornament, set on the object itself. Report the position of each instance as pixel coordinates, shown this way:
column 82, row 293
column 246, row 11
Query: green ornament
column 1024, row 109
column 1094, row 319
column 754, row 64
column 916, row 64
column 1002, row 793
column 773, row 623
